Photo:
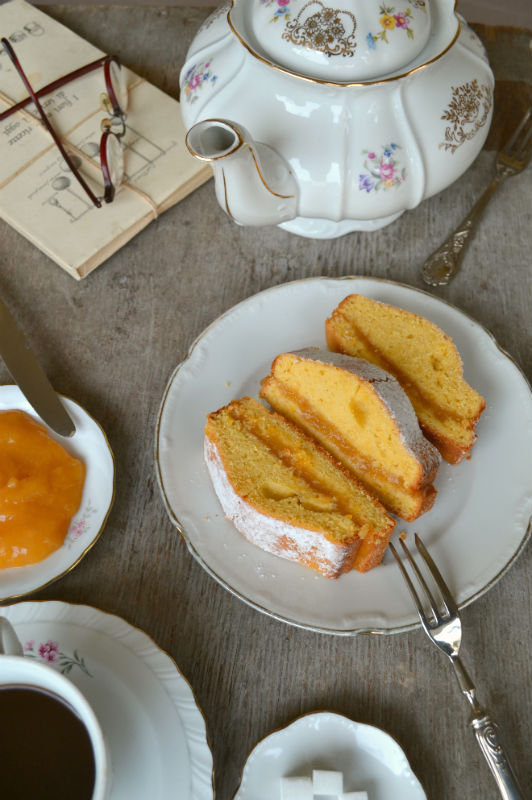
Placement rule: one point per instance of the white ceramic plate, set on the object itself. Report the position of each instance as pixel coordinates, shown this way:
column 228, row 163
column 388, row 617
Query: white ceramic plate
column 89, row 444
column 369, row 759
column 154, row 730
column 477, row 527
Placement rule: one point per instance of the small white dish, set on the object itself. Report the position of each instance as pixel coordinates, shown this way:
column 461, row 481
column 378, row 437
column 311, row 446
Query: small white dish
column 474, row 541
column 154, row 730
column 90, row 445
column 369, row 758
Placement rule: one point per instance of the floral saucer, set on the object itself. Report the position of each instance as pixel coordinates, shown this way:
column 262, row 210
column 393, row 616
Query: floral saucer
column 90, row 444
column 154, row 730
column 369, row 758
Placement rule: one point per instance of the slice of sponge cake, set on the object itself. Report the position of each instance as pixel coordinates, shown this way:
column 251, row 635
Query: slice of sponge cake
column 360, row 415
column 288, row 496
column 424, row 360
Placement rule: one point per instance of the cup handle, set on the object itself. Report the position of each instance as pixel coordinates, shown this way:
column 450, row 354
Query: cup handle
column 9, row 642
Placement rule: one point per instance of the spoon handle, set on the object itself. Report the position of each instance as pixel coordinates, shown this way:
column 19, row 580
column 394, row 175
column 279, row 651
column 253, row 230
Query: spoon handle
column 444, row 263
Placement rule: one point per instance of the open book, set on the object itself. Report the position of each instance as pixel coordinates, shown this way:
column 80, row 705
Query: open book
column 39, row 195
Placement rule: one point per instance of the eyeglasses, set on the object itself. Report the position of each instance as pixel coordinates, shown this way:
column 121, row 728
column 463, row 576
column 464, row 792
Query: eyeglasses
column 113, row 101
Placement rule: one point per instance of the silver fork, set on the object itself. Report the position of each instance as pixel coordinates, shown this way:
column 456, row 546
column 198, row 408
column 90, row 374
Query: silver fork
column 445, row 262
column 444, row 628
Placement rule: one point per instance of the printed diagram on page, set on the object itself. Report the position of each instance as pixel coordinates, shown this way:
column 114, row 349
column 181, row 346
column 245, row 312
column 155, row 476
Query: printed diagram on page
column 75, row 112
column 40, row 196
column 61, row 189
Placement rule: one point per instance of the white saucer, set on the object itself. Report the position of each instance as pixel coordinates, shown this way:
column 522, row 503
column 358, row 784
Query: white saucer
column 89, row 444
column 155, row 731
column 370, row 759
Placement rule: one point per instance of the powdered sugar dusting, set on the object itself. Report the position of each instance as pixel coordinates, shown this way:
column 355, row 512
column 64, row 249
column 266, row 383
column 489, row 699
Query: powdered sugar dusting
column 391, row 394
column 270, row 534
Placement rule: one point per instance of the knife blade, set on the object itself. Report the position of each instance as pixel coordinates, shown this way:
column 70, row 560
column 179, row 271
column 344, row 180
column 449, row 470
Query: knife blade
column 30, row 377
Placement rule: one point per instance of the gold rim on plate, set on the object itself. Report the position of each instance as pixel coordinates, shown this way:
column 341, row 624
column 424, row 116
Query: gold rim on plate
column 402, row 628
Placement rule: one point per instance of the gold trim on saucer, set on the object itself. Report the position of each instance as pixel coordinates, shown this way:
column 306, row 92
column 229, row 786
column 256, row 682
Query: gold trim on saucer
column 155, row 645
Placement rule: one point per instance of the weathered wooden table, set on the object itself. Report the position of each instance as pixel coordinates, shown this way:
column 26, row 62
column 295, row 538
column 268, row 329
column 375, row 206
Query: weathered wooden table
column 111, row 343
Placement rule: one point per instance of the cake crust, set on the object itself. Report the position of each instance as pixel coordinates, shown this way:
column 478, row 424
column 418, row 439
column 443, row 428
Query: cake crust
column 276, row 536
column 408, row 497
column 317, row 541
column 392, row 396
column 350, row 329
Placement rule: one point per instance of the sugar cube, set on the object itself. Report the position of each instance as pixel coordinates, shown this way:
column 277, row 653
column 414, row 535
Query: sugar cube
column 353, row 796
column 296, row 789
column 327, row 782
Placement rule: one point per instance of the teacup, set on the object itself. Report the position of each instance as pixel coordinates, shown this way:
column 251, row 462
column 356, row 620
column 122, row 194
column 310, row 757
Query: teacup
column 51, row 732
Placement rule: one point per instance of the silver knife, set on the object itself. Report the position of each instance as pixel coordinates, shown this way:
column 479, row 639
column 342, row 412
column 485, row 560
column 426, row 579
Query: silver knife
column 29, row 375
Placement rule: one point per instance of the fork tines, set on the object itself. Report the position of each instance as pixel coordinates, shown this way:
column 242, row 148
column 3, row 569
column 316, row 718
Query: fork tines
column 446, row 602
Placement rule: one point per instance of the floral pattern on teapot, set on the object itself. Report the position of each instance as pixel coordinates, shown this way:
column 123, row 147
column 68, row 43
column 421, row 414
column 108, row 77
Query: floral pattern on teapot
column 383, row 171
column 391, row 20
column 282, row 11
column 326, row 30
column 196, row 78
column 467, row 112
column 216, row 15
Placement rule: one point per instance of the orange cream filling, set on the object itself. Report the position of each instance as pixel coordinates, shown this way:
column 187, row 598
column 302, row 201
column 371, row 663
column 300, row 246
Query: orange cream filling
column 41, row 486
column 371, row 471
column 299, row 462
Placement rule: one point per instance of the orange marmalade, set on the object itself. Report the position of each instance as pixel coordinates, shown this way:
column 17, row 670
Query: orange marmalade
column 40, row 490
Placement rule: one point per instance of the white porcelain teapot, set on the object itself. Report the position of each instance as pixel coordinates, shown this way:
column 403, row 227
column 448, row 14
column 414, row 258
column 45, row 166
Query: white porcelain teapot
column 329, row 119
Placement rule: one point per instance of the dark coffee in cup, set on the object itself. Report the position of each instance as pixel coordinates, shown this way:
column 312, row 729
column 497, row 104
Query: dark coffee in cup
column 45, row 749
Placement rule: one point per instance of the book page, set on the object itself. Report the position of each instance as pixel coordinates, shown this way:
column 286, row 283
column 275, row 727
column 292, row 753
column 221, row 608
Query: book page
column 39, row 194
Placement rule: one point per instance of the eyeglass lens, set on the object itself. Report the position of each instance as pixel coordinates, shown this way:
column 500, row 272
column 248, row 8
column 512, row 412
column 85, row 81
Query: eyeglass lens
column 115, row 160
column 114, row 151
column 119, row 85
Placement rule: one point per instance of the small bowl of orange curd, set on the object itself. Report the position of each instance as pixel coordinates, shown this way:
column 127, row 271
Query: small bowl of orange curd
column 55, row 493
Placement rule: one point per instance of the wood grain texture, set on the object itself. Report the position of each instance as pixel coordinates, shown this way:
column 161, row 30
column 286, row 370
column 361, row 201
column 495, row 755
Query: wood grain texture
column 112, row 341
column 492, row 12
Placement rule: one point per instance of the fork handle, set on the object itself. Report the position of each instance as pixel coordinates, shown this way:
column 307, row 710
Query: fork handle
column 487, row 733
column 444, row 263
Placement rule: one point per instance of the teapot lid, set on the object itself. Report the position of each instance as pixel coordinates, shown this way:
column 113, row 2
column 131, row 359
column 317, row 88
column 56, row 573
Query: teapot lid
column 358, row 40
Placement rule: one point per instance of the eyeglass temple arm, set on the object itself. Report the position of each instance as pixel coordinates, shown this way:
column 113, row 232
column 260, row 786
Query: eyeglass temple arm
column 57, row 84
column 46, row 123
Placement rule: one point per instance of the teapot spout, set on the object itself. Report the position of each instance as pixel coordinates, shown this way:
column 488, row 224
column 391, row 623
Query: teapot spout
column 253, row 184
